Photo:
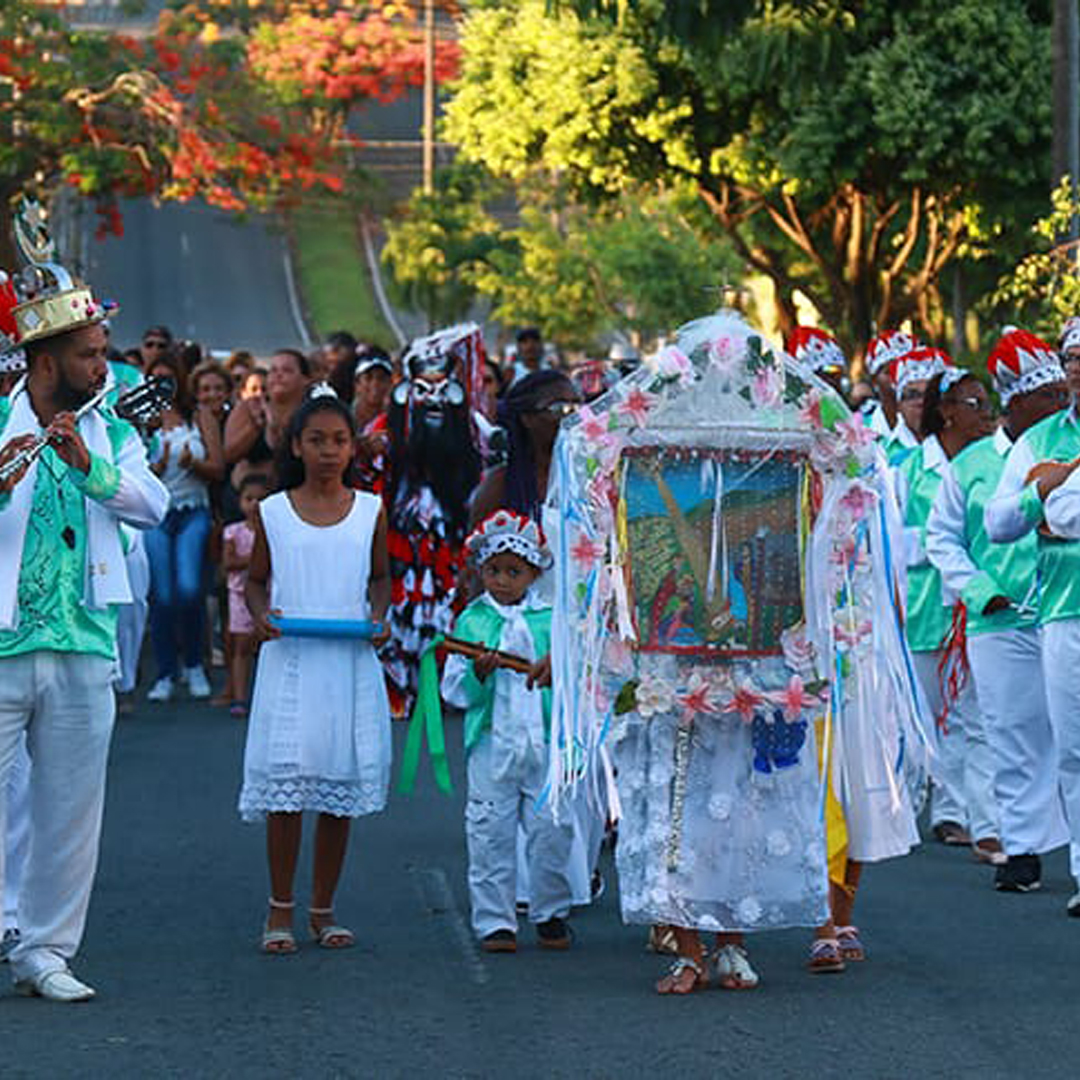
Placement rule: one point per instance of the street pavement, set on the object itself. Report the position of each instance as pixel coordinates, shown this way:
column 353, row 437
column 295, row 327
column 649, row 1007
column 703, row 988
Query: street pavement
column 960, row 981
column 207, row 275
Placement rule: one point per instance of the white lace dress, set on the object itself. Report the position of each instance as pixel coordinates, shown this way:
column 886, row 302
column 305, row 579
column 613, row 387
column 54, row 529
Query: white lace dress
column 319, row 733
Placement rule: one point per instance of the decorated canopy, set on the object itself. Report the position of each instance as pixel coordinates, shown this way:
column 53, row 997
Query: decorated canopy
column 723, row 538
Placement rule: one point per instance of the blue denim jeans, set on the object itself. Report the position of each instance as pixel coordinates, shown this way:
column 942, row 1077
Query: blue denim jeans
column 177, row 553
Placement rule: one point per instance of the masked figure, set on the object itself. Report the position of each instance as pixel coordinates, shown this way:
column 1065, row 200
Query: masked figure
column 435, row 463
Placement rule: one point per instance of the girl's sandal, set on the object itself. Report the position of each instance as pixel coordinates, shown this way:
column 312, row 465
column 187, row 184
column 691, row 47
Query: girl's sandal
column 851, row 946
column 825, row 957
column 278, row 941
column 330, row 936
column 676, row 981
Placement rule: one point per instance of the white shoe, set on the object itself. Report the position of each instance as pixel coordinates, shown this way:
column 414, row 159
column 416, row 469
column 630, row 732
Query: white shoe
column 55, row 986
column 162, row 690
column 733, row 970
column 197, row 683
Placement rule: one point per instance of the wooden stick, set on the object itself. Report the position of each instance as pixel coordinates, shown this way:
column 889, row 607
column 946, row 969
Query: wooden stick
column 473, row 649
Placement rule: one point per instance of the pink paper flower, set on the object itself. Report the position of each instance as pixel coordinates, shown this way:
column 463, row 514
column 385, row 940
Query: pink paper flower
column 696, row 698
column 636, row 406
column 767, row 387
column 855, row 433
column 593, row 426
column 745, row 701
column 586, row 552
column 849, row 634
column 723, row 355
column 794, row 699
column 858, row 501
column 798, row 650
column 810, row 410
column 673, row 363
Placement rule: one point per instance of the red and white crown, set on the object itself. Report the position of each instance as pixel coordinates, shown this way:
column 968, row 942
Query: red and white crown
column 919, row 365
column 887, row 347
column 816, row 349
column 1070, row 334
column 12, row 357
column 507, row 530
column 1020, row 362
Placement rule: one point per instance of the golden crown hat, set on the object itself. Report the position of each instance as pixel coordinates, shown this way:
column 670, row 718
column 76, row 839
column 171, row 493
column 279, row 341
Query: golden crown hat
column 51, row 301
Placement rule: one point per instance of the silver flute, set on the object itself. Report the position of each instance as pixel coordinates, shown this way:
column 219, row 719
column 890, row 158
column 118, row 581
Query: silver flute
column 32, row 451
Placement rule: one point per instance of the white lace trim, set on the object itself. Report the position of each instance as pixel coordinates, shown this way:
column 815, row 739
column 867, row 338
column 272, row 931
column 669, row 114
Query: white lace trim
column 341, row 798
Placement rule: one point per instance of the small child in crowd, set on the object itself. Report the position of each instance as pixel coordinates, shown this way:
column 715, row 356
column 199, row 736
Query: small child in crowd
column 507, row 726
column 319, row 733
column 239, row 540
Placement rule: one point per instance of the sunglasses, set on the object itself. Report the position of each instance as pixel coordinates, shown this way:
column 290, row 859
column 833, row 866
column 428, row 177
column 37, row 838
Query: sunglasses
column 557, row 408
column 155, row 343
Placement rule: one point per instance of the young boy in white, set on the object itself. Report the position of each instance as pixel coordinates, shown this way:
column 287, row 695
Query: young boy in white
column 507, row 721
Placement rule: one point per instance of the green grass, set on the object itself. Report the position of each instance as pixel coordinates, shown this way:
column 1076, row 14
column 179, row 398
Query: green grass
column 332, row 274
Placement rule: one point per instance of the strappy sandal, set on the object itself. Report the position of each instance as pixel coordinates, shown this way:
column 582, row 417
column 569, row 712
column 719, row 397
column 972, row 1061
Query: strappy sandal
column 330, row 936
column 851, row 946
column 825, row 957
column 662, row 940
column 733, row 970
column 278, row 941
column 674, row 977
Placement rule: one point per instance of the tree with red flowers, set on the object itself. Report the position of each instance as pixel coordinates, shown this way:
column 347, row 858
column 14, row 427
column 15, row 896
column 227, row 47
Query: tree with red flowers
column 241, row 119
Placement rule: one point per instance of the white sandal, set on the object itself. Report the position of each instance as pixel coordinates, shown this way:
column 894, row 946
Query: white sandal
column 681, row 964
column 330, row 936
column 279, row 941
column 733, row 970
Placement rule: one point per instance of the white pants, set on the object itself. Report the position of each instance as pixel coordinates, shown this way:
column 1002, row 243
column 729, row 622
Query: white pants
column 1061, row 666
column 131, row 618
column 16, row 840
column 64, row 703
column 492, row 813
column 1008, row 673
column 963, row 774
column 588, row 824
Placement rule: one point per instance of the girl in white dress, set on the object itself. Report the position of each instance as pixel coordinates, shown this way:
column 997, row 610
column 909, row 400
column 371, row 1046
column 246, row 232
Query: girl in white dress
column 319, row 732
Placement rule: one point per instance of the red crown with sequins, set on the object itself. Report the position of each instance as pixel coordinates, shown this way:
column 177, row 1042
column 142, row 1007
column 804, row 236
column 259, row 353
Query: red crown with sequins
column 815, row 348
column 1020, row 362
column 888, row 347
column 919, row 365
column 507, row 530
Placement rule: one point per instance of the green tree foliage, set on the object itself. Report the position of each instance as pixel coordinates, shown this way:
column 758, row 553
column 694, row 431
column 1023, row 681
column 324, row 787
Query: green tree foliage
column 640, row 265
column 439, row 244
column 637, row 265
column 1043, row 289
column 850, row 150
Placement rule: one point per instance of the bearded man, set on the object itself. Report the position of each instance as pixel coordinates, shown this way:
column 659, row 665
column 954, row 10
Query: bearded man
column 435, row 462
column 62, row 578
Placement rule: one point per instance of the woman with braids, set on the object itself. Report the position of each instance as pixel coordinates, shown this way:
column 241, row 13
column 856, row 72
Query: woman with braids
column 530, row 414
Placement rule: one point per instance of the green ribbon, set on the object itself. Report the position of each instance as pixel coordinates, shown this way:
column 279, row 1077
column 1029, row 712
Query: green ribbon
column 426, row 716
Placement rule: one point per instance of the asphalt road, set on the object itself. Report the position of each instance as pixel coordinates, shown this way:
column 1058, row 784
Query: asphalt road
column 960, row 981
column 208, row 276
